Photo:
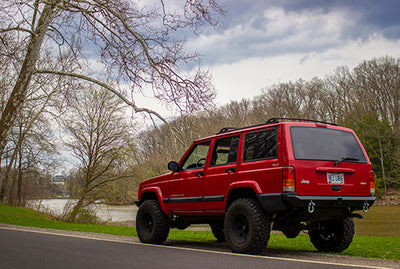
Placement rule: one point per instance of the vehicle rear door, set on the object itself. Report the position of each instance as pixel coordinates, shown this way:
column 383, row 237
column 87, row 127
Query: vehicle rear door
column 260, row 161
column 329, row 161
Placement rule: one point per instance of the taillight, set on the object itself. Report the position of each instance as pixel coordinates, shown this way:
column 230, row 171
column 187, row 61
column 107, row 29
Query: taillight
column 372, row 182
column 288, row 179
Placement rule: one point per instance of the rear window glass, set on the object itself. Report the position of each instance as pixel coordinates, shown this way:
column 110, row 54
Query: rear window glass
column 260, row 146
column 312, row 143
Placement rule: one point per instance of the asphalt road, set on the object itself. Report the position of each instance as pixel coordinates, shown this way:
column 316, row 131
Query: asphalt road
column 40, row 249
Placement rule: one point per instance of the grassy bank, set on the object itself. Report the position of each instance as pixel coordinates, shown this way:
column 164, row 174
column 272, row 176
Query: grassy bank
column 380, row 247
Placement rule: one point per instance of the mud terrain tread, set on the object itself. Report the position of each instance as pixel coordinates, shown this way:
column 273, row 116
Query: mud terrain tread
column 343, row 233
column 160, row 223
column 259, row 225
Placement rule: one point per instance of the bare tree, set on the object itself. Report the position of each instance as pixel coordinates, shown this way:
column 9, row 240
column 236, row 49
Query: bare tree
column 338, row 95
column 136, row 47
column 99, row 133
column 30, row 139
column 377, row 85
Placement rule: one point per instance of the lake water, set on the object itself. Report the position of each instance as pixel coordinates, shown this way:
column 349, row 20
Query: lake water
column 109, row 213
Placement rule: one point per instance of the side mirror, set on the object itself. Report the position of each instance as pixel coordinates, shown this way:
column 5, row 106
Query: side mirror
column 173, row 166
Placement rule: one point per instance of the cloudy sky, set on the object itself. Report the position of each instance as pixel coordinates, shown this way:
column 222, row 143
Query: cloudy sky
column 265, row 42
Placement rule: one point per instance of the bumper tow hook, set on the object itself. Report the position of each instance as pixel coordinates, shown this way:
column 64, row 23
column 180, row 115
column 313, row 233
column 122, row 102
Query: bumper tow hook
column 366, row 207
column 311, row 207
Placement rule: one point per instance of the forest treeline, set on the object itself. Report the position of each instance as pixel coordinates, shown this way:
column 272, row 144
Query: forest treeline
column 366, row 99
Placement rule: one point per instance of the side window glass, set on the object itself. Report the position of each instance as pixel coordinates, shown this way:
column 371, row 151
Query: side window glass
column 197, row 156
column 260, row 145
column 225, row 151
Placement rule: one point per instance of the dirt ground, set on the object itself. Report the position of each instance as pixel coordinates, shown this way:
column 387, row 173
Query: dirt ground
column 391, row 198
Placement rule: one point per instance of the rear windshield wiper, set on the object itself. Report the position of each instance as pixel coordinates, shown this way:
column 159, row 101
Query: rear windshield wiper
column 345, row 158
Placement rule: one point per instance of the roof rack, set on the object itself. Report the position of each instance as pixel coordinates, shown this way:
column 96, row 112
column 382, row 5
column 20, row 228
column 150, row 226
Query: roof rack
column 271, row 121
column 276, row 120
column 230, row 129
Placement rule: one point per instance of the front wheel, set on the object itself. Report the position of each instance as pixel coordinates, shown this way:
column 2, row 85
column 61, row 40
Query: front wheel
column 333, row 235
column 152, row 225
column 247, row 227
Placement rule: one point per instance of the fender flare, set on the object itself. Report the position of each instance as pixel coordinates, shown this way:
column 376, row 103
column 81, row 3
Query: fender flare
column 248, row 184
column 158, row 193
column 245, row 184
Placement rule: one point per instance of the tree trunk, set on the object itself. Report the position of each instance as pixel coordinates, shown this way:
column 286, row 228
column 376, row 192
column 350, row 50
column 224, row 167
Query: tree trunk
column 75, row 210
column 382, row 163
column 18, row 94
column 19, row 179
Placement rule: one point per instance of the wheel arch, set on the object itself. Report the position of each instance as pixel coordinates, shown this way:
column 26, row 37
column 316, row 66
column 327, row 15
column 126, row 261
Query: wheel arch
column 246, row 189
column 152, row 193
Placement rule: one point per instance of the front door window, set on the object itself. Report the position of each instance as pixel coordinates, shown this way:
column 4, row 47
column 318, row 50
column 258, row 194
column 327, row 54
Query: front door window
column 197, row 157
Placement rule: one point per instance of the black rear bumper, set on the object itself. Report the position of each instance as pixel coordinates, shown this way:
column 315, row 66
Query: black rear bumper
column 277, row 202
column 353, row 202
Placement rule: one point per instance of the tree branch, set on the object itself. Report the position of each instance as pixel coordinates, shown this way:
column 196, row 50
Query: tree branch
column 16, row 29
column 114, row 91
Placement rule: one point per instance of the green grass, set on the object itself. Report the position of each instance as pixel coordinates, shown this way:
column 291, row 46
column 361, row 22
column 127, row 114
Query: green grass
column 379, row 247
column 32, row 218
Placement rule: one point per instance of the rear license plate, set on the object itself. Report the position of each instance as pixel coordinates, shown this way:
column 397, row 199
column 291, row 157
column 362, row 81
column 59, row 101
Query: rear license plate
column 335, row 178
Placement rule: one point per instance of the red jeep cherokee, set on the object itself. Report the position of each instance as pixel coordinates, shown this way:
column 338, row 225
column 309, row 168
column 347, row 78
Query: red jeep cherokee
column 286, row 176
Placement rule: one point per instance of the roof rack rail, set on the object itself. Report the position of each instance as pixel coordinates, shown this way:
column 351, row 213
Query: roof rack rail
column 226, row 129
column 271, row 121
column 276, row 120
column 230, row 129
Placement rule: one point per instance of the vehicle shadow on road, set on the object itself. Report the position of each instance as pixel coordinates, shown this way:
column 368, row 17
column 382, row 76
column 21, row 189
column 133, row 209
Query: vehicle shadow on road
column 212, row 245
column 222, row 247
column 304, row 256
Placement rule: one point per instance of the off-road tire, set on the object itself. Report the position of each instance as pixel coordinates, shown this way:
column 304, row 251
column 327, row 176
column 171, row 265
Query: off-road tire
column 333, row 235
column 152, row 225
column 218, row 231
column 247, row 227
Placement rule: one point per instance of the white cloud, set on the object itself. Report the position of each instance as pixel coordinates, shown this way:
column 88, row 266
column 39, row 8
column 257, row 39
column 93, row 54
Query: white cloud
column 309, row 23
column 275, row 31
column 245, row 78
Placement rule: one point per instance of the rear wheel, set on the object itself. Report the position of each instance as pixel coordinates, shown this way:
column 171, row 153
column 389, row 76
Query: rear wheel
column 333, row 235
column 152, row 225
column 247, row 227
